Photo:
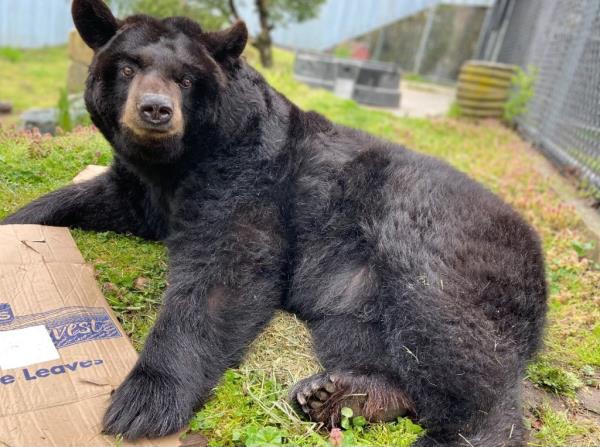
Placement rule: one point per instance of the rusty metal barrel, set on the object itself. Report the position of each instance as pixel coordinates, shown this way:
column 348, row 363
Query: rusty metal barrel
column 483, row 88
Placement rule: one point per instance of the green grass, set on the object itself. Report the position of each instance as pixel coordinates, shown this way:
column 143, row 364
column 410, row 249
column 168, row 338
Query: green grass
column 555, row 430
column 32, row 78
column 250, row 406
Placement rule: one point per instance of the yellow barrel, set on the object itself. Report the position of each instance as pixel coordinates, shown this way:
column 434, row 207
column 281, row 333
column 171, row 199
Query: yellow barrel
column 483, row 88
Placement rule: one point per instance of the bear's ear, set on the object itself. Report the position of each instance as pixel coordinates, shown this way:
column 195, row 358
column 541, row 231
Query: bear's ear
column 227, row 43
column 94, row 21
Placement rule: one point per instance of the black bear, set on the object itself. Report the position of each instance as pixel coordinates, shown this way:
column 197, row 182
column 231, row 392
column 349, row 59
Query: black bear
column 424, row 292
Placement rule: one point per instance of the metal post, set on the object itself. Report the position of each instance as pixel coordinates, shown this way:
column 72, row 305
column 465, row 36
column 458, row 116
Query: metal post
column 483, row 32
column 502, row 33
column 379, row 44
column 424, row 38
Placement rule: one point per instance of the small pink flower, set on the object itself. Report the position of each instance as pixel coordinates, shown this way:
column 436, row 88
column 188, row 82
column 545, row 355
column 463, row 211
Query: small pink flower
column 336, row 437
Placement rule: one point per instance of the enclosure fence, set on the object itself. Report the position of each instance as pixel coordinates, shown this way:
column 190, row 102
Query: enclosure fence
column 560, row 41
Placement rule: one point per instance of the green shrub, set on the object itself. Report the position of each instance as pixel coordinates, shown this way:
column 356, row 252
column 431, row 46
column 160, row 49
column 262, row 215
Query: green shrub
column 11, row 54
column 64, row 113
column 454, row 111
column 415, row 77
column 71, row 112
column 343, row 51
column 521, row 92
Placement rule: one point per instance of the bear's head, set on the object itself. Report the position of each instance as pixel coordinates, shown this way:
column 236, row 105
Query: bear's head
column 153, row 84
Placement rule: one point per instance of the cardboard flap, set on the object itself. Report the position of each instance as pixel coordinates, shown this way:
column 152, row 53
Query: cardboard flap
column 35, row 244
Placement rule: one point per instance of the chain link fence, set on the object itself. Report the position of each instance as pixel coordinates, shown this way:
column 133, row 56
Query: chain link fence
column 560, row 41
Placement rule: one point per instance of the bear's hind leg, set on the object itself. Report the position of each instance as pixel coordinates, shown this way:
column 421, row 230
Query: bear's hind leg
column 323, row 396
column 356, row 376
column 501, row 426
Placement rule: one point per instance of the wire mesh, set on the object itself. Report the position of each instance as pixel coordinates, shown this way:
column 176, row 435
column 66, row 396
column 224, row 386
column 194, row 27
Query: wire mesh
column 561, row 39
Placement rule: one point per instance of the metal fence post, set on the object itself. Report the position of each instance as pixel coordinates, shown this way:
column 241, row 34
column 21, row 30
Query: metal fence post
column 502, row 33
column 483, row 32
column 379, row 44
column 424, row 38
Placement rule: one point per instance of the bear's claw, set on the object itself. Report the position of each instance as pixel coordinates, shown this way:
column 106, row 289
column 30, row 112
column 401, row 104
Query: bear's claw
column 313, row 392
column 323, row 396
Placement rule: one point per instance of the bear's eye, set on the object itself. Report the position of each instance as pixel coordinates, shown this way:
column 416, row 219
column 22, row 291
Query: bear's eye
column 186, row 83
column 127, row 72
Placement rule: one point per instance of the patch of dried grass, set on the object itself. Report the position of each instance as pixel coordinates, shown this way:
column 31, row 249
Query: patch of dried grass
column 285, row 348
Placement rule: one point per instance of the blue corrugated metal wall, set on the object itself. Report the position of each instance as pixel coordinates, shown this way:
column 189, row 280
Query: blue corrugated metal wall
column 38, row 23
column 340, row 20
column 34, row 23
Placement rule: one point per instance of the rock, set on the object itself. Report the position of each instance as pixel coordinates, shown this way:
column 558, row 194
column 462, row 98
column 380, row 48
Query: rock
column 77, row 108
column 109, row 287
column 590, row 399
column 194, row 440
column 5, row 108
column 46, row 120
column 90, row 172
column 141, row 283
column 534, row 397
column 76, row 77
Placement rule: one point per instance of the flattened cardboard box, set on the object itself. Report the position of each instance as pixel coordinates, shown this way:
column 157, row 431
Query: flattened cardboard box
column 62, row 350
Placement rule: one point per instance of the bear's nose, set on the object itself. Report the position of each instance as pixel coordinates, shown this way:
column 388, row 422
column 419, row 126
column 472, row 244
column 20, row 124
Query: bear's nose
column 156, row 109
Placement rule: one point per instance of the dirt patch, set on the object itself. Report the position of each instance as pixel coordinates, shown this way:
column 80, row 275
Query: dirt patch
column 589, row 400
column 9, row 120
column 535, row 397
column 584, row 410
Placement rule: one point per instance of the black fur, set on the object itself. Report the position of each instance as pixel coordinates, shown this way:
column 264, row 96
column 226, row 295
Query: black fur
column 401, row 266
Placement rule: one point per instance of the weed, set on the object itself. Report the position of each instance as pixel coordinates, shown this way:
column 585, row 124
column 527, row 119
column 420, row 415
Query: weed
column 590, row 191
column 454, row 111
column 343, row 51
column 415, row 77
column 255, row 436
column 349, row 422
column 522, row 90
column 582, row 248
column 553, row 378
column 64, row 112
column 555, row 429
column 10, row 54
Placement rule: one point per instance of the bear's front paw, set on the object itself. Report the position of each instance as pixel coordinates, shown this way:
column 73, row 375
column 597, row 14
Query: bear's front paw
column 149, row 405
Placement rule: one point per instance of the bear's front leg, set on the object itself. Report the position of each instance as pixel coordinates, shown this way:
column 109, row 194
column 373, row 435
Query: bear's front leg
column 114, row 201
column 224, row 286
